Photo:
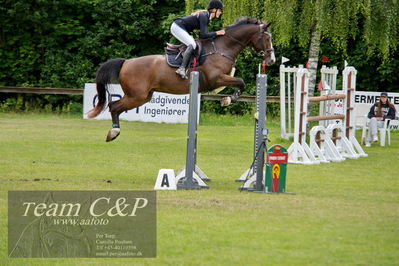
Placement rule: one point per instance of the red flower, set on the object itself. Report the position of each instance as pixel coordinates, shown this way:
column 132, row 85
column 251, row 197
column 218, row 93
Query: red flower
column 324, row 59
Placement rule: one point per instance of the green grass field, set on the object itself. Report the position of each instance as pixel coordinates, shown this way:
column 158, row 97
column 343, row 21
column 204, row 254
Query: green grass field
column 342, row 213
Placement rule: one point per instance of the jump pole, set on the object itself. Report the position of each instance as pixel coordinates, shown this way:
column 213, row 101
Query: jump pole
column 192, row 176
column 255, row 172
column 349, row 87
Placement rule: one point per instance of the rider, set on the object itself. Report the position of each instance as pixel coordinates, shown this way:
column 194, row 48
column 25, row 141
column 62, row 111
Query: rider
column 182, row 27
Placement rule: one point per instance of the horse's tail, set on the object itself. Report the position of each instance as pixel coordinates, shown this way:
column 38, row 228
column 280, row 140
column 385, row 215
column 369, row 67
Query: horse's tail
column 107, row 73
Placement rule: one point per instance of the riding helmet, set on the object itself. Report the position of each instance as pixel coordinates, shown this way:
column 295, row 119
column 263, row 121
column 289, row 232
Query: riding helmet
column 217, row 4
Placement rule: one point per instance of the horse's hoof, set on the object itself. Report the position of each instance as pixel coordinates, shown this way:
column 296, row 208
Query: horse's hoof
column 226, row 101
column 113, row 134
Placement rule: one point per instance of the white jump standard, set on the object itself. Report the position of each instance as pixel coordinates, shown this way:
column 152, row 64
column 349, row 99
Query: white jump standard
column 329, row 141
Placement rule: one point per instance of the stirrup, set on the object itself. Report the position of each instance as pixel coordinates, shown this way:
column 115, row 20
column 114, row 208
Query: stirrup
column 182, row 72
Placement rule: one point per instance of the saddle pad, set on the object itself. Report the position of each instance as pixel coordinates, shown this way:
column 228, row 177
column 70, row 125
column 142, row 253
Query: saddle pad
column 175, row 59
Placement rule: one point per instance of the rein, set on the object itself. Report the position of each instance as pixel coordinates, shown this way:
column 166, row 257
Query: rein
column 236, row 40
column 215, row 51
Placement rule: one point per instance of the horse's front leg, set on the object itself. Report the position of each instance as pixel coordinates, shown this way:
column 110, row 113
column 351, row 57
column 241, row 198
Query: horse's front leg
column 229, row 81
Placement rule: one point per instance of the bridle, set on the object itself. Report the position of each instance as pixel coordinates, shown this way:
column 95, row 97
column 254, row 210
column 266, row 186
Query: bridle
column 260, row 53
column 263, row 53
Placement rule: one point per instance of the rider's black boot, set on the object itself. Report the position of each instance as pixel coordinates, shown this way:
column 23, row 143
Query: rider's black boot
column 186, row 60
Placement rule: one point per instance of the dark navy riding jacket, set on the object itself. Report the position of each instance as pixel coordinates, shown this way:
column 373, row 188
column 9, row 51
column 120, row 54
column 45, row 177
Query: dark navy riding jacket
column 386, row 110
column 193, row 22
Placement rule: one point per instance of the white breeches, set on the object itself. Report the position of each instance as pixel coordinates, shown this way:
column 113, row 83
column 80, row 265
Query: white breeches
column 182, row 35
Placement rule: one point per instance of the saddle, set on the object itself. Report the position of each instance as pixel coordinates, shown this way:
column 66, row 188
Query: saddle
column 174, row 54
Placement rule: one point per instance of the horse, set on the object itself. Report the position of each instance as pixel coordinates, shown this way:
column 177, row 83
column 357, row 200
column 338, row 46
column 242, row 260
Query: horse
column 140, row 77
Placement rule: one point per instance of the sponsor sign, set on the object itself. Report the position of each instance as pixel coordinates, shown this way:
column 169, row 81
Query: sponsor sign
column 371, row 97
column 276, row 169
column 162, row 108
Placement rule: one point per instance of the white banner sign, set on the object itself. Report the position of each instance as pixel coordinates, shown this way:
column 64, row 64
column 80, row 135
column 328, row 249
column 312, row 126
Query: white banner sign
column 162, row 108
column 371, row 97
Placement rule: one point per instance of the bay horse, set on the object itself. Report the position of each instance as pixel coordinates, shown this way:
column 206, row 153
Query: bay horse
column 141, row 77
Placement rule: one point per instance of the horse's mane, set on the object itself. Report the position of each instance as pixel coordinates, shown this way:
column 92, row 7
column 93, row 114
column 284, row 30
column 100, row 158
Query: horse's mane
column 243, row 21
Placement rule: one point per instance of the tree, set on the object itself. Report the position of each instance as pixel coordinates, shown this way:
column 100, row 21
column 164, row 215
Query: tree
column 51, row 43
column 62, row 43
column 337, row 21
column 310, row 22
